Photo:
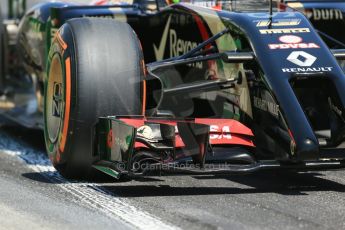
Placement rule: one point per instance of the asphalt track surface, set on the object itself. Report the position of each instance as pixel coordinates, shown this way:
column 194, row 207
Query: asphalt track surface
column 34, row 196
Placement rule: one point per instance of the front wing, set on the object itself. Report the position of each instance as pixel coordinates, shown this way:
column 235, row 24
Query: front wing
column 136, row 145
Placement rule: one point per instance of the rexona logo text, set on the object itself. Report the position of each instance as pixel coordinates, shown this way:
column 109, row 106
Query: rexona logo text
column 292, row 42
column 285, row 31
column 324, row 14
column 177, row 45
column 304, row 60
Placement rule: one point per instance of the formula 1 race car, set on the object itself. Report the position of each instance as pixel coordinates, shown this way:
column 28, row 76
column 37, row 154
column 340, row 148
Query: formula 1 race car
column 327, row 18
column 141, row 85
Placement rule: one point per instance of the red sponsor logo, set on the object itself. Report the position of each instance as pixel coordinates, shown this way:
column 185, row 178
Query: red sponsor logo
column 293, row 46
column 292, row 42
column 290, row 39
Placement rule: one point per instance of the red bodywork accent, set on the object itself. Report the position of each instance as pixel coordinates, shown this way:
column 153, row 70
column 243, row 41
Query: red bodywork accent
column 110, row 139
column 222, row 131
column 100, row 2
column 204, row 35
column 282, row 6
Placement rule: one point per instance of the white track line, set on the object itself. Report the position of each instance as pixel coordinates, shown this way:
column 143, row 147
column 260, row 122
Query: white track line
column 89, row 194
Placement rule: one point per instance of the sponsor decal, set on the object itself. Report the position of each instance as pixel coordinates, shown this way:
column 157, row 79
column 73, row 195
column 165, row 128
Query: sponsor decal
column 304, row 60
column 324, row 14
column 293, row 46
column 178, row 46
column 301, row 58
column 290, row 39
column 266, row 106
column 275, row 14
column 207, row 4
column 279, row 22
column 121, row 143
column 292, row 42
column 307, row 69
column 225, row 132
column 285, row 31
column 57, row 99
column 145, row 131
column 159, row 52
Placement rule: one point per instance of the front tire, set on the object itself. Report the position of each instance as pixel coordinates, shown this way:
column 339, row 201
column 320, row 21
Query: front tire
column 94, row 70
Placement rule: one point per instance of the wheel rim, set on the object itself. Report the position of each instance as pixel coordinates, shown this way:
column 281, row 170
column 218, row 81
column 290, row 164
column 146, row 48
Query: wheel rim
column 54, row 99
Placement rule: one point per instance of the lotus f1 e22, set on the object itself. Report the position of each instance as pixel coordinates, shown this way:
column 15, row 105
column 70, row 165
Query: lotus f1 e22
column 142, row 86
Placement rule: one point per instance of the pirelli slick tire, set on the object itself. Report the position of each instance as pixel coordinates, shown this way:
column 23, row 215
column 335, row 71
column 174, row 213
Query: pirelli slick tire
column 95, row 68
